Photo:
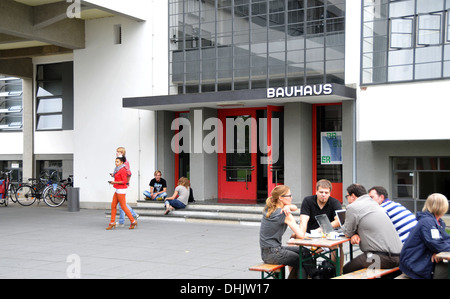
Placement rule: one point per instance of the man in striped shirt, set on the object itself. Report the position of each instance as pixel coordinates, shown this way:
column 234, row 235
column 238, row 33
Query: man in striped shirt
column 401, row 217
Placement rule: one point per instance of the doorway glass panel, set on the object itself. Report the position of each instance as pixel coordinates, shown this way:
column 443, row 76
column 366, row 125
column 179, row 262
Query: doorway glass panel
column 239, row 157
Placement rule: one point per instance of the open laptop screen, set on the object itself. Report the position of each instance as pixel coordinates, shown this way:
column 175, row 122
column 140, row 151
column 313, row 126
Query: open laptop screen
column 324, row 223
column 341, row 216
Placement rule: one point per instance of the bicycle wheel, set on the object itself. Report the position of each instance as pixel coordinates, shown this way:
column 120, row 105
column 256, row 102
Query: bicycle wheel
column 12, row 193
column 54, row 196
column 6, row 195
column 25, row 195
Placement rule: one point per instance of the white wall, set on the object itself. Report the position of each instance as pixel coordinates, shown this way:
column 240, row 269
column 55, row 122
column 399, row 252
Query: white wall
column 105, row 73
column 409, row 111
column 133, row 8
column 12, row 143
column 352, row 42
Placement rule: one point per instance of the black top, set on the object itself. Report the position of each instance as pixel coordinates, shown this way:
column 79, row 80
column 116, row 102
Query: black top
column 312, row 209
column 158, row 186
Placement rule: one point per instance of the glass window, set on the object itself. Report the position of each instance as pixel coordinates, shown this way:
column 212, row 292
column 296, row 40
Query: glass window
column 50, row 122
column 448, row 26
column 50, row 106
column 414, row 178
column 420, row 25
column 10, row 104
column 401, row 57
column 257, row 33
column 54, row 96
column 400, row 73
column 444, row 163
column 329, row 146
column 403, row 163
column 401, row 8
column 425, row 6
column 402, row 33
column 429, row 31
column 428, row 70
column 427, row 163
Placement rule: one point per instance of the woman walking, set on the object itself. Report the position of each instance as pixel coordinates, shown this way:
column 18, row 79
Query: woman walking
column 120, row 184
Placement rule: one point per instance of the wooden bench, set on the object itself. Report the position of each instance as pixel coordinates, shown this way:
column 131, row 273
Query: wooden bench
column 368, row 273
column 269, row 270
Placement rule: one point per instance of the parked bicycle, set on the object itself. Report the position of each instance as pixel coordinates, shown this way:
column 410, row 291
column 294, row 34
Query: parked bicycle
column 42, row 188
column 9, row 190
column 55, row 196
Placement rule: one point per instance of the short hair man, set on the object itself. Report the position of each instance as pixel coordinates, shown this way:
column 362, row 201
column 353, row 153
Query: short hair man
column 400, row 216
column 158, row 187
column 367, row 224
column 321, row 203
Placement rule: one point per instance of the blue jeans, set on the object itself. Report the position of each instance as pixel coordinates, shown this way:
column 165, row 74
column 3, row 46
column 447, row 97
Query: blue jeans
column 162, row 195
column 175, row 203
column 122, row 214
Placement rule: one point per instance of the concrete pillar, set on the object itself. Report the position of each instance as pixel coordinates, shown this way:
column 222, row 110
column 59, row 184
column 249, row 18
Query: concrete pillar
column 165, row 157
column 203, row 165
column 348, row 146
column 28, row 162
column 298, row 149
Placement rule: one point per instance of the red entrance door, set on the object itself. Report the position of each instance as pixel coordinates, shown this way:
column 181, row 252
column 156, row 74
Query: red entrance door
column 237, row 160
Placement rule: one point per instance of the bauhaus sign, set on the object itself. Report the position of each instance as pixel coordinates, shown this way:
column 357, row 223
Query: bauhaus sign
column 300, row 91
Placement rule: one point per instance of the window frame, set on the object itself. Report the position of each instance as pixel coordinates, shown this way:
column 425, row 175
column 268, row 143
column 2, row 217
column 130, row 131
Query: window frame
column 415, row 173
column 61, row 77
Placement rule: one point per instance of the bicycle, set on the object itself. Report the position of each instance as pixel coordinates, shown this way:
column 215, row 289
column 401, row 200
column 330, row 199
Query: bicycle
column 10, row 189
column 55, row 196
column 27, row 194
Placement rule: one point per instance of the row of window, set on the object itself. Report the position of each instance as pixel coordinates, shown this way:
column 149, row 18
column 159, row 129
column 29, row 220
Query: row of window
column 405, row 40
column 42, row 166
column 216, row 46
column 418, row 177
column 10, row 103
column 54, row 99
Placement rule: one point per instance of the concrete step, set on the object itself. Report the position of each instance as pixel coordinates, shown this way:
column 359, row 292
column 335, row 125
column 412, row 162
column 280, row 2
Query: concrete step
column 203, row 212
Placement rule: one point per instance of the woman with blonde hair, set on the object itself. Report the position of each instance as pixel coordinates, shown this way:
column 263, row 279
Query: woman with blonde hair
column 275, row 220
column 428, row 238
column 180, row 197
column 120, row 186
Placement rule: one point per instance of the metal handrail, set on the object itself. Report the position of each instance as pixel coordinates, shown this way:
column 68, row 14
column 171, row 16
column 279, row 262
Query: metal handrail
column 246, row 168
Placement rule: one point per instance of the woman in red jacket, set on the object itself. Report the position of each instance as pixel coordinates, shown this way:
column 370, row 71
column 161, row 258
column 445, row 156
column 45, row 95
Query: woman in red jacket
column 120, row 184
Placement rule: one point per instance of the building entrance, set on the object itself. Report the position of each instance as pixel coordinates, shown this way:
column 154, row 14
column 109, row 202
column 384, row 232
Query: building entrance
column 251, row 160
column 327, row 146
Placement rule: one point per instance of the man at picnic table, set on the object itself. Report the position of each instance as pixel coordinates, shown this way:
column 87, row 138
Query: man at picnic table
column 368, row 225
column 321, row 203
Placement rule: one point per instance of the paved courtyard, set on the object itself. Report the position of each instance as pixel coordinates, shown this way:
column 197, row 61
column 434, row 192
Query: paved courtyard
column 43, row 242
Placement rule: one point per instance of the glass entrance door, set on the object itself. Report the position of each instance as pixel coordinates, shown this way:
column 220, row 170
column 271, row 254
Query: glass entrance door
column 327, row 146
column 237, row 161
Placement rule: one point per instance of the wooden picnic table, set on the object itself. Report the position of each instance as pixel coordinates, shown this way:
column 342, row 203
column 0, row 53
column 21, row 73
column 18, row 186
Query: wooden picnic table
column 445, row 256
column 312, row 244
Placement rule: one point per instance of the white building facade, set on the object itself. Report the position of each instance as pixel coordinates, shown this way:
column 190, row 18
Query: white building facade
column 386, row 65
column 117, row 58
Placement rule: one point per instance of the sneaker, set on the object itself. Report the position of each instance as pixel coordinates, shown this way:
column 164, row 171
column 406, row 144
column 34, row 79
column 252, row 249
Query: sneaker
column 136, row 216
column 120, row 224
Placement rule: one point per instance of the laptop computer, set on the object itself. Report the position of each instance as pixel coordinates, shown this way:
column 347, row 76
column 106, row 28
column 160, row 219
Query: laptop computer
column 324, row 223
column 341, row 216
column 326, row 226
